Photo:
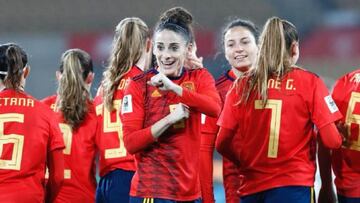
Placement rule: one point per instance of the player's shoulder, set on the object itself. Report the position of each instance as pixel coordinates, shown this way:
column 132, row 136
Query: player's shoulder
column 49, row 100
column 134, row 71
column 303, row 73
column 351, row 77
column 224, row 78
column 145, row 75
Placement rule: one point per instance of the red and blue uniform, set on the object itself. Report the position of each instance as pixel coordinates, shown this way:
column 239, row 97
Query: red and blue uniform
column 167, row 168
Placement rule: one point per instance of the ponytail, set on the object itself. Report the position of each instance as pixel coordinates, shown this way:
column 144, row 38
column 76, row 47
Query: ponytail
column 13, row 59
column 73, row 93
column 128, row 46
column 273, row 58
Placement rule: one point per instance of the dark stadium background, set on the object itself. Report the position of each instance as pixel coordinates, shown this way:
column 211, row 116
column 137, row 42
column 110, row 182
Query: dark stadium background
column 329, row 34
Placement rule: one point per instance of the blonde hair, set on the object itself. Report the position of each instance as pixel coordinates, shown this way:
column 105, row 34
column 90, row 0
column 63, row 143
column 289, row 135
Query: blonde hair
column 73, row 93
column 128, row 46
column 273, row 58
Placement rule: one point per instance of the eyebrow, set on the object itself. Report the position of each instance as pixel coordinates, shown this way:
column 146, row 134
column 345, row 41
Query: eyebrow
column 174, row 43
column 243, row 38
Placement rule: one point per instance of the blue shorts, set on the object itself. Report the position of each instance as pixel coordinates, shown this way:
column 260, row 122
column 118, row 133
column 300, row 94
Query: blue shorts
column 293, row 194
column 157, row 200
column 343, row 199
column 114, row 187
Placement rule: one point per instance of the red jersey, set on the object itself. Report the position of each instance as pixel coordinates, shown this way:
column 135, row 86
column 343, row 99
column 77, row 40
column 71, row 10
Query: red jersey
column 231, row 179
column 50, row 101
column 28, row 132
column 113, row 154
column 168, row 168
column 274, row 143
column 345, row 161
column 79, row 157
column 223, row 84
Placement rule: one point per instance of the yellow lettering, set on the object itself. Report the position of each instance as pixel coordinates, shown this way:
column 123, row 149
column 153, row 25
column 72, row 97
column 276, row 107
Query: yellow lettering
column 271, row 83
column 6, row 101
column 22, row 102
column 30, row 103
column 122, row 84
column 277, row 84
column 289, row 84
column 67, row 136
column 13, row 101
column 116, row 127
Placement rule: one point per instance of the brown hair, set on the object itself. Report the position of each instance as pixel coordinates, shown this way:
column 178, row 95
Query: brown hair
column 179, row 20
column 273, row 58
column 12, row 61
column 73, row 93
column 128, row 46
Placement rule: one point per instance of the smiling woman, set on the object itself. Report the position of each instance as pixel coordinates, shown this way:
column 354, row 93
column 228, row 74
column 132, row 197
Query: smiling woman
column 239, row 39
column 161, row 122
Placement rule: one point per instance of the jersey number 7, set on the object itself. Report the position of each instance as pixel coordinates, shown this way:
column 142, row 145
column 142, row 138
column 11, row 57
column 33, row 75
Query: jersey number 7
column 275, row 106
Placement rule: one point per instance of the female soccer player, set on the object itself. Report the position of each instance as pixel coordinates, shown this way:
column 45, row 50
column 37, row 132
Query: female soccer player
column 268, row 118
column 29, row 136
column 345, row 161
column 239, row 39
column 161, row 117
column 131, row 54
column 78, row 123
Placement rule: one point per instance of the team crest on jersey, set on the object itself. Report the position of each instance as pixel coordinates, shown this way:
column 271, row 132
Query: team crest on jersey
column 188, row 85
column 355, row 78
column 126, row 106
column 331, row 104
column 155, row 93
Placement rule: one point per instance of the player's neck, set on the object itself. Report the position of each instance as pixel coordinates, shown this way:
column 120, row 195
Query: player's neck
column 143, row 63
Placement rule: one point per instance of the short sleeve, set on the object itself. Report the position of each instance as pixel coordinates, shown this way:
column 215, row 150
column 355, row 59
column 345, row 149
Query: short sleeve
column 323, row 109
column 132, row 108
column 55, row 139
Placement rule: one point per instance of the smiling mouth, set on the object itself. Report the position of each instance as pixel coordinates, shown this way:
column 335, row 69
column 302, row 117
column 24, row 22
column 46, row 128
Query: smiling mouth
column 168, row 63
column 240, row 57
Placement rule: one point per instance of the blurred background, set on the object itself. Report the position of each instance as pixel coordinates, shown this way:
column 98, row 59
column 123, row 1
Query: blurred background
column 329, row 34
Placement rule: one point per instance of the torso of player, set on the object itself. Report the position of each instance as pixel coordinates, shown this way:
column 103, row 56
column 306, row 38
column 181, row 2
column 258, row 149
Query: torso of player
column 24, row 138
column 346, row 163
column 79, row 156
column 174, row 156
column 113, row 154
column 284, row 134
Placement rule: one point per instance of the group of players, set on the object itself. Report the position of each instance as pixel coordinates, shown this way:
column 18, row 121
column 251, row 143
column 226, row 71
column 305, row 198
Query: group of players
column 155, row 127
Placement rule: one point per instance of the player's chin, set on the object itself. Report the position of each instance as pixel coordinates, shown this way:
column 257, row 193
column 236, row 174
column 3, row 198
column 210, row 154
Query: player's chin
column 170, row 71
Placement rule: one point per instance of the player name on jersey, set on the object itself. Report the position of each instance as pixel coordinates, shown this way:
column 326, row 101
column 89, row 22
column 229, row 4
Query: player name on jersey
column 276, row 84
column 7, row 101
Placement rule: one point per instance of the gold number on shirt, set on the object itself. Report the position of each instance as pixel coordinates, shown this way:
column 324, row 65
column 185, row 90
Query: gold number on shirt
column 115, row 126
column 275, row 106
column 67, row 136
column 353, row 118
column 17, row 140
